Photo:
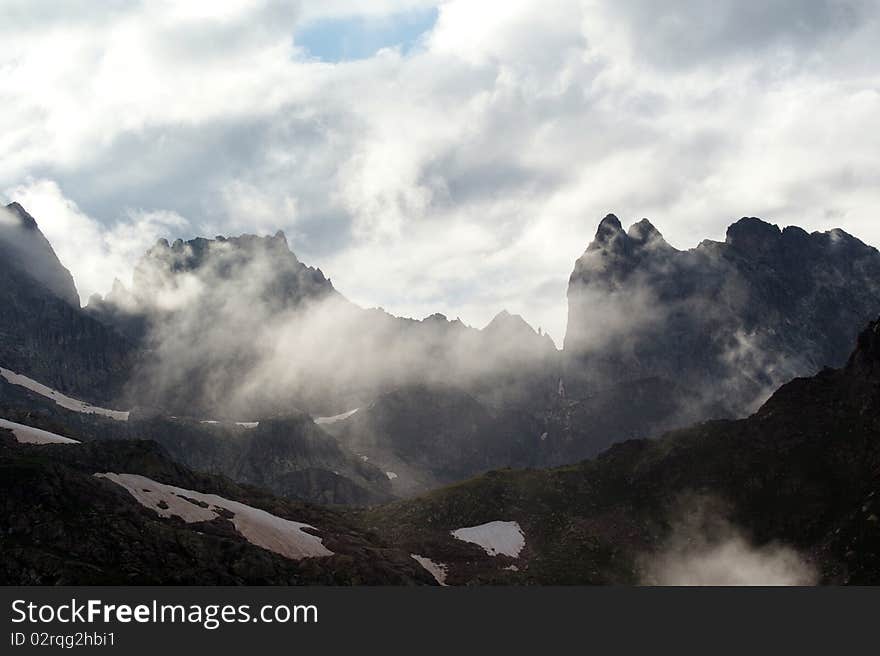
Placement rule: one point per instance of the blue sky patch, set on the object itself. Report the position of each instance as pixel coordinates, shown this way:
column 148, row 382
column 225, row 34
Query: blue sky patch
column 359, row 37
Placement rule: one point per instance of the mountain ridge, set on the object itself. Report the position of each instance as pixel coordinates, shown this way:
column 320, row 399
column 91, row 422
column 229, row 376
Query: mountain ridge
column 799, row 478
column 735, row 318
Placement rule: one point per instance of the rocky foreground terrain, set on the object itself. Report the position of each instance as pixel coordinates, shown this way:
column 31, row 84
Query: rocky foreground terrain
column 792, row 492
column 789, row 495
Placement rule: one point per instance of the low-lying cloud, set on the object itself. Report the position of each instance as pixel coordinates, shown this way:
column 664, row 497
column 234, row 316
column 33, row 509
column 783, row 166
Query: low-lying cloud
column 706, row 549
column 239, row 327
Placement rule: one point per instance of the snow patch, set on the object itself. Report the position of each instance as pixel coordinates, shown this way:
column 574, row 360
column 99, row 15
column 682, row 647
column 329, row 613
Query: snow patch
column 437, row 570
column 245, row 424
column 270, row 532
column 335, row 418
column 495, row 538
column 59, row 398
column 27, row 435
column 391, row 475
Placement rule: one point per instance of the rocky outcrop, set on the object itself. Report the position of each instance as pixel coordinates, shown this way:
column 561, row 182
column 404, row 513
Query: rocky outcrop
column 429, row 436
column 290, row 456
column 62, row 525
column 23, row 246
column 215, row 318
column 731, row 320
column 43, row 332
column 798, row 478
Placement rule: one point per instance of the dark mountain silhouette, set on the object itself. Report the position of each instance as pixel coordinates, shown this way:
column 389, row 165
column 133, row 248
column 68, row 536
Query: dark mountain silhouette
column 731, row 320
column 214, row 317
column 23, row 246
column 62, row 525
column 802, row 474
column 43, row 332
column 232, row 355
column 289, row 456
column 239, row 329
column 799, row 479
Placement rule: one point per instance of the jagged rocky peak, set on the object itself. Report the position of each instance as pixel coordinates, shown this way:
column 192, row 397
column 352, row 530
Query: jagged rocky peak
column 260, row 265
column 644, row 233
column 753, row 235
column 24, row 246
column 615, row 252
column 233, row 252
column 515, row 331
column 505, row 321
column 732, row 319
column 609, row 235
column 26, row 220
column 612, row 239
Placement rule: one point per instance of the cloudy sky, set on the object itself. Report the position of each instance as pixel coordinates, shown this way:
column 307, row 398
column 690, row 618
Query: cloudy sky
column 446, row 157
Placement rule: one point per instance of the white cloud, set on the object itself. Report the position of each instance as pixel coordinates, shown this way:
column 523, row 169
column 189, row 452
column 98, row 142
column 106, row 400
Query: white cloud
column 704, row 548
column 468, row 174
column 95, row 254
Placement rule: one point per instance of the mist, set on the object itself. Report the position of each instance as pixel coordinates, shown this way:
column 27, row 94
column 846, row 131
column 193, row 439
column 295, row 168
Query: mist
column 639, row 308
column 241, row 328
column 705, row 548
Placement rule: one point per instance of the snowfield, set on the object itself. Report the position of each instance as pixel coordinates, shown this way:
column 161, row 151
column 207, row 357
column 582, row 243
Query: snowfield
column 437, row 570
column 27, row 435
column 335, row 418
column 270, row 532
column 59, row 398
column 495, row 538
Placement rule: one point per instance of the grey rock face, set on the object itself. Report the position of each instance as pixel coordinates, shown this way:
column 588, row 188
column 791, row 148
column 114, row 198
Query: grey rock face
column 23, row 246
column 43, row 332
column 731, row 320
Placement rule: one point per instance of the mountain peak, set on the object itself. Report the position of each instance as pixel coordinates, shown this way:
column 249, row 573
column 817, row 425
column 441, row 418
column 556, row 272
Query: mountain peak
column 505, row 319
column 645, row 233
column 265, row 261
column 26, row 219
column 752, row 234
column 641, row 238
column 24, row 246
column 609, row 229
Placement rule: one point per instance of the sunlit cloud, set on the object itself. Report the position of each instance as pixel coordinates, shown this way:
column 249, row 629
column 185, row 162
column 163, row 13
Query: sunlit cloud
column 459, row 158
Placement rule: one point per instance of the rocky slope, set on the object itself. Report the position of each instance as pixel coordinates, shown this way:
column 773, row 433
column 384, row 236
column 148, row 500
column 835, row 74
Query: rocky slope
column 230, row 325
column 428, row 436
column 60, row 524
column 657, row 339
column 290, row 456
column 731, row 320
column 238, row 329
column 23, row 246
column 43, row 332
column 791, row 493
